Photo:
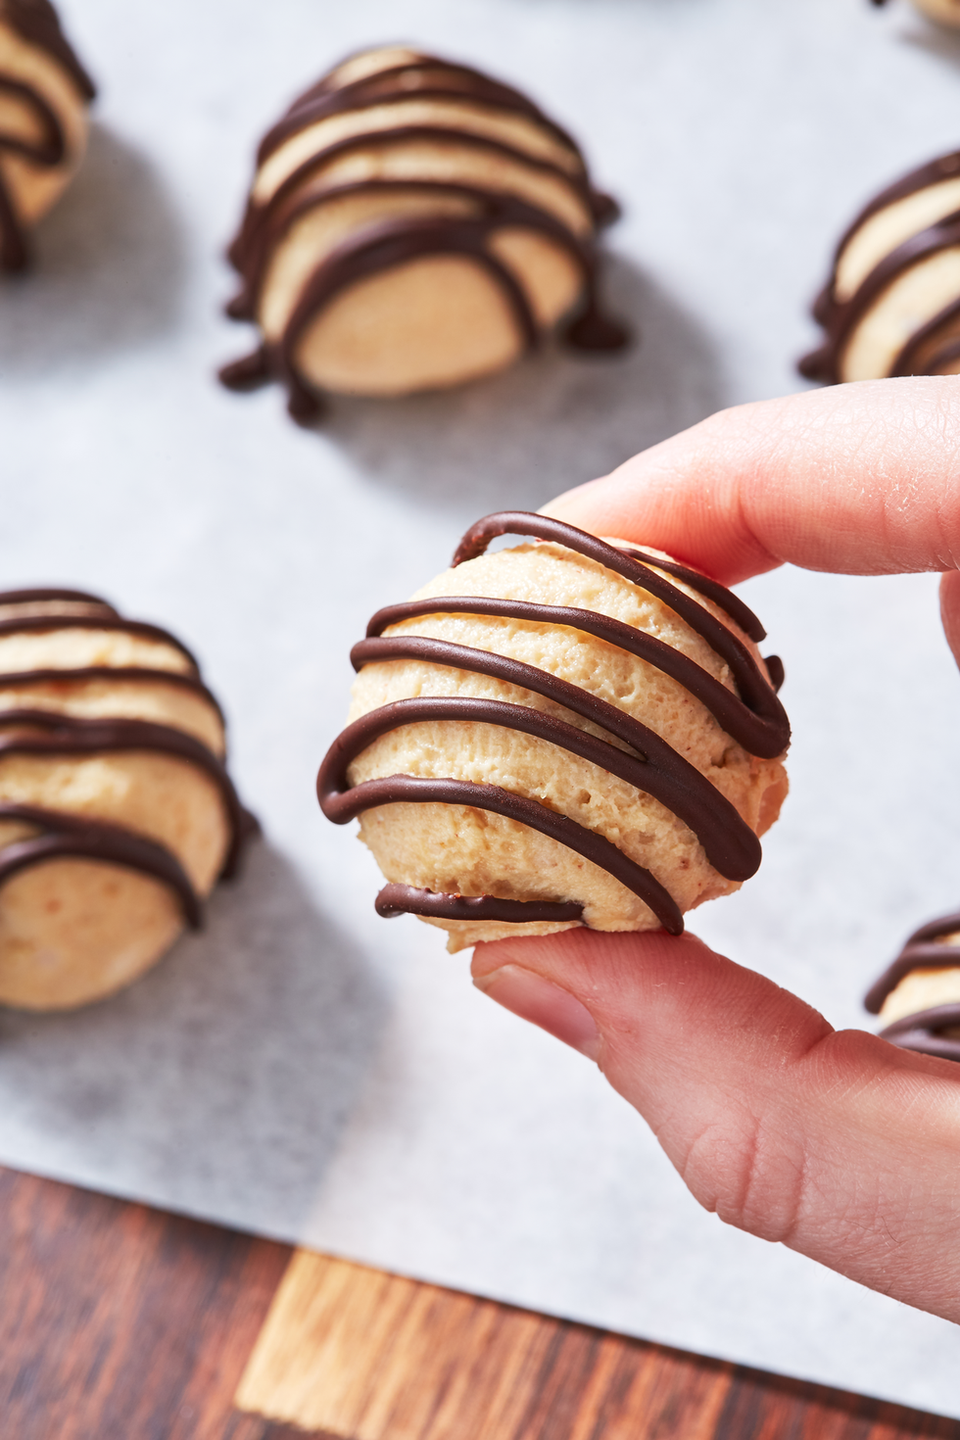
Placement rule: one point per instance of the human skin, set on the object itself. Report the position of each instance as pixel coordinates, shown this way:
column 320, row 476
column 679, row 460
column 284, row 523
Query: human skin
column 836, row 1144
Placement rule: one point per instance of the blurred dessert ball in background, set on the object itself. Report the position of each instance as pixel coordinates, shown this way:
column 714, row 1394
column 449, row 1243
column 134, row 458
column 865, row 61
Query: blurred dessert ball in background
column 892, row 303
column 413, row 224
column 44, row 96
column 918, row 996
column 117, row 816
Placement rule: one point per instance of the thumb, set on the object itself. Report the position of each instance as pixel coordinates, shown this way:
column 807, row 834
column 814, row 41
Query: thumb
column 838, row 1145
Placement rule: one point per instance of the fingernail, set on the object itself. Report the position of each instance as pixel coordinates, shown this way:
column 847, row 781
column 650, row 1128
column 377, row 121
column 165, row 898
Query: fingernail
column 544, row 1004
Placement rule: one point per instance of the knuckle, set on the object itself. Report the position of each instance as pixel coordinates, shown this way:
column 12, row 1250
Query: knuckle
column 751, row 1172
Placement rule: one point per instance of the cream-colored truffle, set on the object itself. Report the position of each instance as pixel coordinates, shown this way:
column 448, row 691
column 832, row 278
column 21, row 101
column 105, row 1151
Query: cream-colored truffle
column 562, row 677
column 412, row 224
column 892, row 303
column 116, row 814
column 44, row 95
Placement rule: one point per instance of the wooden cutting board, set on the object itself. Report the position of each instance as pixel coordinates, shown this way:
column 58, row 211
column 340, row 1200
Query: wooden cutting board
column 118, row 1322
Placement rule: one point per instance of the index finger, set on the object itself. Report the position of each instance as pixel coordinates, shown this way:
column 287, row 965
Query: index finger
column 859, row 479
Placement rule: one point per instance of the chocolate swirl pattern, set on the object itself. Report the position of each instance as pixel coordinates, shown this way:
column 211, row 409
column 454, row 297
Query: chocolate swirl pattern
column 44, row 93
column 117, row 814
column 892, row 303
column 919, row 994
column 413, row 224
column 662, row 790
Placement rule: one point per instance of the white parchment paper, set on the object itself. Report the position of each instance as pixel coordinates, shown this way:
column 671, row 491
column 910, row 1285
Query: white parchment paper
column 301, row 1068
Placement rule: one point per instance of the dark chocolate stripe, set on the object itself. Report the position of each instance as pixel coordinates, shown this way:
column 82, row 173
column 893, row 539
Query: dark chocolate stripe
column 913, row 957
column 384, row 247
column 136, row 674
column 918, row 953
column 729, row 843
column 921, row 354
column 78, row 837
column 70, row 735
column 754, row 688
column 921, row 1032
column 410, row 789
column 945, row 167
column 403, row 135
column 489, row 210
column 45, row 592
column 13, row 241
column 50, row 149
column 407, row 900
column 48, row 152
column 37, row 22
column 34, row 623
column 947, row 355
column 544, row 527
column 775, row 671
column 723, row 598
column 760, row 735
column 426, row 78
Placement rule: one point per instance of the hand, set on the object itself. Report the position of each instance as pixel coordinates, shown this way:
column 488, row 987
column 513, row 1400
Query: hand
column 839, row 1145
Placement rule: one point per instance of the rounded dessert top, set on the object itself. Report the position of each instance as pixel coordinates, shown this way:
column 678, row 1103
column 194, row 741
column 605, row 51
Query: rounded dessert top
column 753, row 716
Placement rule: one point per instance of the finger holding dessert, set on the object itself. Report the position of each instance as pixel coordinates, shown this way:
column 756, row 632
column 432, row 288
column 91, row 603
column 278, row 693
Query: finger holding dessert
column 839, row 1145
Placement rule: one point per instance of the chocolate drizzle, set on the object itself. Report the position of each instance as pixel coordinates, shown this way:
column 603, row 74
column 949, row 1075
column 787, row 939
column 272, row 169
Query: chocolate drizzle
column 918, row 953
column 933, row 345
column 389, row 242
column 36, row 22
column 755, row 718
column 74, row 837
column 922, row 1031
column 35, row 731
column 396, row 900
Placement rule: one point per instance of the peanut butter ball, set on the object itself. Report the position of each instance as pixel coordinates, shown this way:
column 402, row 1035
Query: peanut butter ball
column 572, row 731
column 44, row 96
column 413, row 224
column 892, row 303
column 117, row 816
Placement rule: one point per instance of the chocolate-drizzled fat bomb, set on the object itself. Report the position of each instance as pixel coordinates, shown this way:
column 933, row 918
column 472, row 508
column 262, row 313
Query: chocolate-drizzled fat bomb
column 413, row 224
column 44, row 95
column 918, row 997
column 569, row 732
column 116, row 813
column 892, row 303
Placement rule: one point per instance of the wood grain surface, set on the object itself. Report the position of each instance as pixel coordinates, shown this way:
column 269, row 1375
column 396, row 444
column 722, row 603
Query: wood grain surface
column 118, row 1322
